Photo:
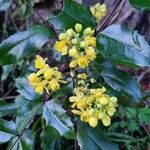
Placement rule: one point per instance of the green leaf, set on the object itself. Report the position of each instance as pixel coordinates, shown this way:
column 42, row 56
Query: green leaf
column 26, row 109
column 73, row 13
column 25, row 89
column 8, row 130
column 56, row 117
column 93, row 139
column 121, row 81
column 24, row 43
column 26, row 142
column 143, row 115
column 48, row 136
column 123, row 46
column 5, row 4
column 7, row 108
column 6, row 71
column 140, row 4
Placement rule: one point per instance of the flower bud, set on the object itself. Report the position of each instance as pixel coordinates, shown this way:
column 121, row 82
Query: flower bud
column 63, row 36
column 88, row 31
column 74, row 41
column 91, row 111
column 83, row 44
column 70, row 32
column 78, row 27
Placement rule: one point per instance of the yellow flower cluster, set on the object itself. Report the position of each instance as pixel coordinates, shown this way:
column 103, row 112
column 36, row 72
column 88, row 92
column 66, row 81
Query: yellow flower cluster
column 45, row 78
column 79, row 44
column 93, row 105
column 99, row 11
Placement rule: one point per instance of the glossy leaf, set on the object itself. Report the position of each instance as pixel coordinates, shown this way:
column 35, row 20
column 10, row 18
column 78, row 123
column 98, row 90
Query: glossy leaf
column 143, row 5
column 56, row 117
column 5, row 4
column 93, row 139
column 48, row 136
column 7, row 108
column 25, row 89
column 26, row 142
column 27, row 109
column 8, row 130
column 123, row 46
column 121, row 81
column 24, row 43
column 73, row 13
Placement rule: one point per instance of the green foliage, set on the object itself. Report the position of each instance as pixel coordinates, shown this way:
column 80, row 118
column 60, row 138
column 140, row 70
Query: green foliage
column 73, row 13
column 7, row 108
column 46, row 121
column 123, row 46
column 23, row 43
column 93, row 138
column 56, row 116
column 142, row 5
column 25, row 89
column 8, row 130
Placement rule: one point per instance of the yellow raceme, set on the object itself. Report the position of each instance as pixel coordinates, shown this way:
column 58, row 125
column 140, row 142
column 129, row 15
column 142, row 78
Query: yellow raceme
column 93, row 105
column 79, row 44
column 46, row 78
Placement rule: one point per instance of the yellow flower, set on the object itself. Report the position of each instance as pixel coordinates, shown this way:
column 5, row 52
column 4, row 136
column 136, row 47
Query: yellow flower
column 73, row 64
column 98, row 11
column 54, row 85
column 48, row 74
column 73, row 52
column 106, row 120
column 90, row 53
column 39, row 62
column 61, row 46
column 93, row 121
column 39, row 89
column 93, row 105
column 45, row 78
column 104, row 100
column 84, row 116
column 83, row 62
column 32, row 77
column 90, row 40
column 82, row 76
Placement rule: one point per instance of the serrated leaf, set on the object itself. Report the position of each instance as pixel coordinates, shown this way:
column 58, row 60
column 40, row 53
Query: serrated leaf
column 7, row 108
column 123, row 46
column 93, row 139
column 73, row 13
column 56, row 117
column 26, row 109
column 121, row 81
column 143, row 5
column 25, row 89
column 26, row 142
column 24, row 43
column 5, row 4
column 8, row 130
